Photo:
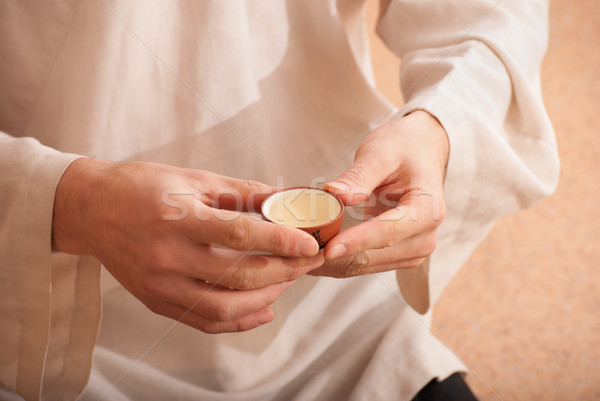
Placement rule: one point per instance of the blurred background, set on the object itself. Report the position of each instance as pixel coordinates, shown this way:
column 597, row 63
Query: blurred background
column 524, row 312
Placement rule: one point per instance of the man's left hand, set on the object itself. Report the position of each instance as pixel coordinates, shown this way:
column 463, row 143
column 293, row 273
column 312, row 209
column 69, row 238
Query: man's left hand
column 398, row 172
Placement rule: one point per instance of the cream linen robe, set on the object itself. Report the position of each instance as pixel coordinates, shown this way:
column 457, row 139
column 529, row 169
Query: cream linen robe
column 270, row 90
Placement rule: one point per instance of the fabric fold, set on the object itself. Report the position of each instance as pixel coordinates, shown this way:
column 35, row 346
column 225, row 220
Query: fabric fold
column 482, row 87
column 31, row 173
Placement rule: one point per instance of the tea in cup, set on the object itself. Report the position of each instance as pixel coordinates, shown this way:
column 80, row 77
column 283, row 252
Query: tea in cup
column 312, row 210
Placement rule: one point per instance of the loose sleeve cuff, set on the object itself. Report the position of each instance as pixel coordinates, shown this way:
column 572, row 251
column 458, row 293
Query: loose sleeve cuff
column 37, row 286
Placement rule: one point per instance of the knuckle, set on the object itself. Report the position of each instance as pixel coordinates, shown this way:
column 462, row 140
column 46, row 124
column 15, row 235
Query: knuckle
column 251, row 185
column 294, row 273
column 356, row 265
column 161, row 259
column 237, row 235
column 361, row 260
column 205, row 326
column 221, row 312
column 201, row 323
column 154, row 291
column 292, row 269
column 279, row 242
column 359, row 173
column 243, row 279
column 392, row 232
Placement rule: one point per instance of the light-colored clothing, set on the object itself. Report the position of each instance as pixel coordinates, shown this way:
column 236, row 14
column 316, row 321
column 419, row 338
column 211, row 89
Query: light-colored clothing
column 275, row 91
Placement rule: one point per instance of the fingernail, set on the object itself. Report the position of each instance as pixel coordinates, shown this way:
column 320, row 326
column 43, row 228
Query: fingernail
column 340, row 186
column 287, row 284
column 337, row 251
column 265, row 316
column 307, row 247
column 316, row 261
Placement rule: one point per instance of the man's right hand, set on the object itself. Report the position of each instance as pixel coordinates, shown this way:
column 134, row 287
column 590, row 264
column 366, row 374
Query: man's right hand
column 152, row 226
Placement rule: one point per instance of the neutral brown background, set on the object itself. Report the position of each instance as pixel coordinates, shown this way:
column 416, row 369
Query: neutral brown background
column 524, row 312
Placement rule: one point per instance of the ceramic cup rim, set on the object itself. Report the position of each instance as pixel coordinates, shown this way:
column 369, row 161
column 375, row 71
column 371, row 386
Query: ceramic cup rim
column 338, row 217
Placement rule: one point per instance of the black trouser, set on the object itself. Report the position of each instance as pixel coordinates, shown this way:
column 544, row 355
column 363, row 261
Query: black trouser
column 453, row 388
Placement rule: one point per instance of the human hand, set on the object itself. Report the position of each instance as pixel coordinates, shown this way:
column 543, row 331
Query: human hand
column 399, row 170
column 152, row 226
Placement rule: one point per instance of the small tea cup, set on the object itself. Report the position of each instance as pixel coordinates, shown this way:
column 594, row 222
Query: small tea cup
column 312, row 210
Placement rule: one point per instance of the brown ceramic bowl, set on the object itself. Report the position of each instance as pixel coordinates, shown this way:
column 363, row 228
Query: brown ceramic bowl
column 312, row 210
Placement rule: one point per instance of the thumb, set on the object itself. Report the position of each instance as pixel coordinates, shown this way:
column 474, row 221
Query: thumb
column 355, row 184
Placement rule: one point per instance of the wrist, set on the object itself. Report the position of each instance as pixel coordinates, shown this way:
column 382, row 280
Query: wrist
column 436, row 136
column 433, row 126
column 76, row 193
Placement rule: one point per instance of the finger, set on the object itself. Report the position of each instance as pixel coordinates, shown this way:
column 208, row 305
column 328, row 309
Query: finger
column 242, row 232
column 229, row 268
column 417, row 213
column 218, row 303
column 404, row 255
column 355, row 184
column 239, row 195
column 373, row 164
column 199, row 322
column 341, row 270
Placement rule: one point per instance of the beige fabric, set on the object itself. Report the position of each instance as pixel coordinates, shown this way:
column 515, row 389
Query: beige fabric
column 277, row 91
